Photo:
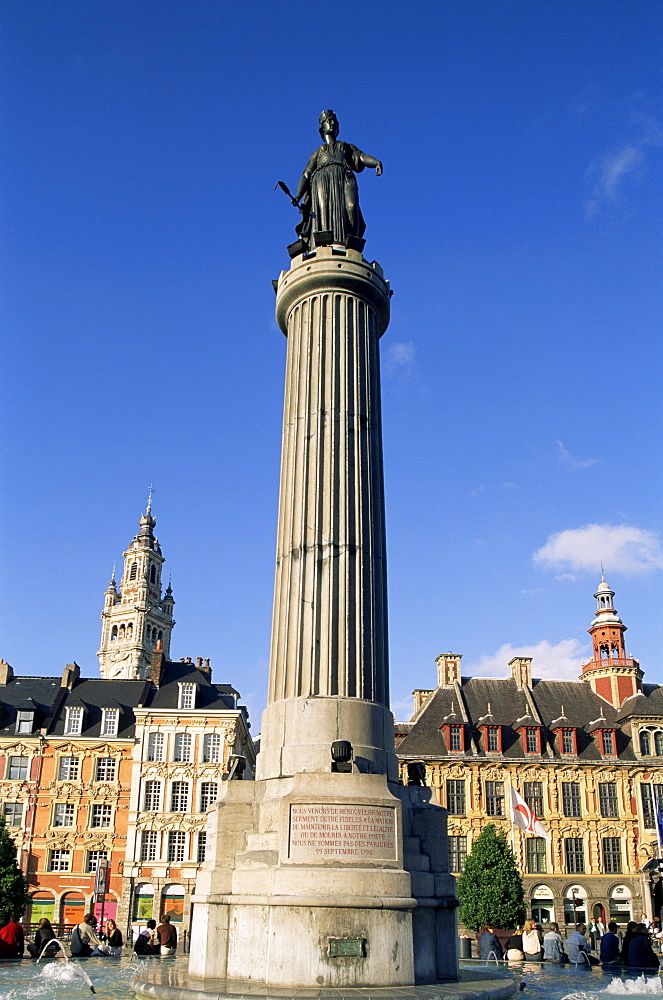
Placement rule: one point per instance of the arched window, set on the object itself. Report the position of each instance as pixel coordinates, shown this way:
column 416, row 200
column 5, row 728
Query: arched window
column 122, row 631
column 658, row 743
column 153, row 574
column 130, row 630
column 114, row 633
column 645, row 743
column 604, row 651
column 154, row 635
column 614, row 651
column 160, row 636
column 133, row 571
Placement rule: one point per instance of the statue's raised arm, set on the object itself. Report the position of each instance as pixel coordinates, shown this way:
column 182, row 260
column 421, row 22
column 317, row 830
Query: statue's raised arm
column 327, row 193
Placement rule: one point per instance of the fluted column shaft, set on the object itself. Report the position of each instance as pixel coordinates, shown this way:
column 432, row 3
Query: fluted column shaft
column 329, row 632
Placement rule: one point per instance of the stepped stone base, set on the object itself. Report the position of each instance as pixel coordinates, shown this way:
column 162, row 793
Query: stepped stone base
column 325, row 880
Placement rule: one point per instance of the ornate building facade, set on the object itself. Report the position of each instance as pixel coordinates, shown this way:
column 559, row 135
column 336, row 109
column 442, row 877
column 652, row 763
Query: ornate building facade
column 118, row 772
column 586, row 755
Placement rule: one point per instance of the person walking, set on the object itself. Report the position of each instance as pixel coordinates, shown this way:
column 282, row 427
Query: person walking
column 609, row 953
column 553, row 946
column 532, row 942
column 489, row 944
column 167, row 935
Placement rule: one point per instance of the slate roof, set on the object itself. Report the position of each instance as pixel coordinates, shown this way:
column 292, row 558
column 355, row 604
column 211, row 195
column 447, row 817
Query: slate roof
column 547, row 704
column 49, row 700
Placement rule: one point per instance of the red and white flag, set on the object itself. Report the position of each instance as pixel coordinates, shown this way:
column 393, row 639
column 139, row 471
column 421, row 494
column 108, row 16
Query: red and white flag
column 524, row 817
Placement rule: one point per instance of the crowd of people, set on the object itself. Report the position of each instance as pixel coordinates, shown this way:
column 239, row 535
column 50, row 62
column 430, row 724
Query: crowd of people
column 86, row 941
column 631, row 949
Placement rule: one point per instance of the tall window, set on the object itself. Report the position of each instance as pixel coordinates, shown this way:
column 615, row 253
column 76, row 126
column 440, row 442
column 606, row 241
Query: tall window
column 13, row 813
column 612, row 855
column 187, row 696
column 59, row 861
column 607, row 741
column 17, row 768
column 148, row 845
column 645, row 743
column 110, row 719
column 495, row 798
column 94, row 859
column 176, row 845
column 152, row 796
column 455, row 738
column 25, row 722
column 105, row 769
column 536, row 855
column 575, row 856
column 648, row 808
column 608, row 799
column 102, row 815
column 571, row 798
column 179, row 799
column 133, row 571
column 183, row 743
column 493, row 739
column 63, row 814
column 533, row 795
column 532, row 740
column 208, row 794
column 456, row 797
column 212, row 748
column 457, row 853
column 155, row 746
column 568, row 741
column 202, row 847
column 658, row 743
column 73, row 723
column 68, row 769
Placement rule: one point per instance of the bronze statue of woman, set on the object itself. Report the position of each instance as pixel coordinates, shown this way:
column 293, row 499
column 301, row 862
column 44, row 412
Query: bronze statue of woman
column 327, row 193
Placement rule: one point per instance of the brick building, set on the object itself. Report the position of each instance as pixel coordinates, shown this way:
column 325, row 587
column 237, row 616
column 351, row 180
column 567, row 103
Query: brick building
column 586, row 755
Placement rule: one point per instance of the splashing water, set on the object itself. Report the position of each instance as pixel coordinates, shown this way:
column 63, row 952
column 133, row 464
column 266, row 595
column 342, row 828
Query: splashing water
column 66, row 972
column 581, row 996
column 640, row 986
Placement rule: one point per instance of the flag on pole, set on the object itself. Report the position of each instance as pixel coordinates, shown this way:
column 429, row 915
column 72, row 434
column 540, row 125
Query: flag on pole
column 659, row 824
column 525, row 818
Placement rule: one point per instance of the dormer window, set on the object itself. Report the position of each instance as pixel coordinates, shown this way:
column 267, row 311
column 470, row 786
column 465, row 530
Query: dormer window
column 493, row 739
column 73, row 724
column 645, row 743
column 110, row 719
column 25, row 722
column 187, row 696
column 532, row 740
column 607, row 738
column 454, row 737
column 568, row 741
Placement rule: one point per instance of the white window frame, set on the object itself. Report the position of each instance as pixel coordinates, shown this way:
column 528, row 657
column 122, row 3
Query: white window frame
column 149, row 846
column 102, row 811
column 181, row 796
column 106, row 771
column 152, row 796
column 20, row 767
column 68, row 810
column 187, row 696
column 73, row 722
column 177, row 853
column 25, row 723
column 59, row 860
column 94, row 859
column 110, row 721
column 212, row 748
column 156, row 746
column 183, row 748
column 205, row 794
column 73, row 769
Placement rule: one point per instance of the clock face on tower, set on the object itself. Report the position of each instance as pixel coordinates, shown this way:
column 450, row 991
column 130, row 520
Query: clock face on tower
column 117, row 664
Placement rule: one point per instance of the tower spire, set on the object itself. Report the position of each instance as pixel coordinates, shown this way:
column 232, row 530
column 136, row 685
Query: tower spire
column 612, row 674
column 138, row 617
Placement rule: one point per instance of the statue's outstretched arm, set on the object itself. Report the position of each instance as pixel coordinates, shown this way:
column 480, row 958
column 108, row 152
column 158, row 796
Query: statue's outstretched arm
column 370, row 161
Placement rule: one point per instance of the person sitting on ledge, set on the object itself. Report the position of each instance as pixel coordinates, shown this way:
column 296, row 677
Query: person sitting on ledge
column 610, row 946
column 489, row 944
column 640, row 952
column 577, row 947
column 12, row 941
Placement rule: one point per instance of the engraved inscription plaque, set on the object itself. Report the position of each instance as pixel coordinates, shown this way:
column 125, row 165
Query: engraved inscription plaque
column 325, row 831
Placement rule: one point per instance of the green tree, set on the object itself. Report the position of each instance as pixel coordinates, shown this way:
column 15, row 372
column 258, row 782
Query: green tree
column 13, row 886
column 490, row 888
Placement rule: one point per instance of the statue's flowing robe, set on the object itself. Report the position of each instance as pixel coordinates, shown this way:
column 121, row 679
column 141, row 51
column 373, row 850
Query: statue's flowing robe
column 331, row 202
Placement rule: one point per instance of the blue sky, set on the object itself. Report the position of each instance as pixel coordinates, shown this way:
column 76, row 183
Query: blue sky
column 518, row 220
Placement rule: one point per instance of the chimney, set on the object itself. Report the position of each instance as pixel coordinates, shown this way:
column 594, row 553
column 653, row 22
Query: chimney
column 204, row 667
column 420, row 698
column 70, row 675
column 448, row 669
column 521, row 671
column 6, row 672
column 157, row 663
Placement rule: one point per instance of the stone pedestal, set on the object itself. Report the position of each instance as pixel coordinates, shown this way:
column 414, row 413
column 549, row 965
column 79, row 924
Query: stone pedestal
column 315, row 878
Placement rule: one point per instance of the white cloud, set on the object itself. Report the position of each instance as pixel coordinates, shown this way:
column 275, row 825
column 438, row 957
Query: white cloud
column 400, row 359
column 560, row 661
column 575, row 463
column 621, row 548
column 610, row 172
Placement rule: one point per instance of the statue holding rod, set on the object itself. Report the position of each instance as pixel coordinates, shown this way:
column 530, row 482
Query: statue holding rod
column 327, row 193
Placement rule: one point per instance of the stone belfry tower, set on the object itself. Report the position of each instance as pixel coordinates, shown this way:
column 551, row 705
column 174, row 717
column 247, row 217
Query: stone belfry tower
column 137, row 617
column 327, row 870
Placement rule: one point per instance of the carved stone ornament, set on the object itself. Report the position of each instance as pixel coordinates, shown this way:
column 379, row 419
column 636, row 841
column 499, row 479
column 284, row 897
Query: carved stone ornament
column 456, row 772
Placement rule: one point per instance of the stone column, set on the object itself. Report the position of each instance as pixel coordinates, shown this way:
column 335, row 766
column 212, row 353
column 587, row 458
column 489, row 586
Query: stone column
column 329, row 672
